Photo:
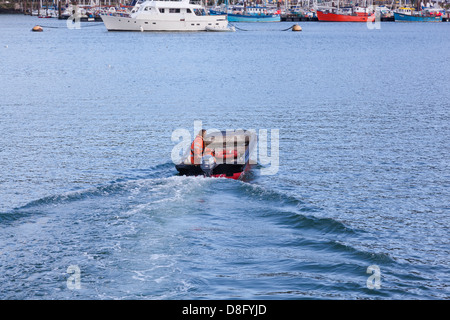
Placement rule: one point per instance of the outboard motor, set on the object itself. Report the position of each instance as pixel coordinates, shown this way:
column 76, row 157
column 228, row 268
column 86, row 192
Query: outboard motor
column 208, row 165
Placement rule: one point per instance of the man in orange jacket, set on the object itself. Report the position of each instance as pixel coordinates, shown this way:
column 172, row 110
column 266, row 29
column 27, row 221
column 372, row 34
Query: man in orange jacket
column 198, row 147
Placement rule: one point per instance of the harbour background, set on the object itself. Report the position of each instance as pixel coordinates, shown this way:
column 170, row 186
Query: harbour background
column 291, row 10
column 86, row 122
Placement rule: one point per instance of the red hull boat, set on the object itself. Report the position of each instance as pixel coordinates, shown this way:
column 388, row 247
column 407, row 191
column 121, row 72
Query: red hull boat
column 231, row 157
column 335, row 17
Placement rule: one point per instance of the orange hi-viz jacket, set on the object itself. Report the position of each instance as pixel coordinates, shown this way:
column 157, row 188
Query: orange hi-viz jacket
column 197, row 147
column 198, row 150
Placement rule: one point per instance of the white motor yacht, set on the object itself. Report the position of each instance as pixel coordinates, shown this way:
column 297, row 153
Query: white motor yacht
column 169, row 15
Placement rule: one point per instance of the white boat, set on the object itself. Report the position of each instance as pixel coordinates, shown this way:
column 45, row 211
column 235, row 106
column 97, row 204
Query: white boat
column 221, row 29
column 169, row 15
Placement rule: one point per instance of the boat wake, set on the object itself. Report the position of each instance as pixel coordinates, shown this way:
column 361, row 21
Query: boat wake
column 153, row 226
column 160, row 185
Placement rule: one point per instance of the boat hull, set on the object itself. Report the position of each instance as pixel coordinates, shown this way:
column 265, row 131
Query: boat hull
column 215, row 29
column 249, row 17
column 412, row 18
column 180, row 23
column 253, row 18
column 333, row 17
column 230, row 171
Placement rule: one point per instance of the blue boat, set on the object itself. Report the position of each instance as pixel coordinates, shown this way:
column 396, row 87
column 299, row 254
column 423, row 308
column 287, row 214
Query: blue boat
column 417, row 17
column 254, row 18
column 248, row 14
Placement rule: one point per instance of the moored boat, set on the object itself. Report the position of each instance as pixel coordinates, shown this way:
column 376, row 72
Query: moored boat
column 248, row 14
column 424, row 15
column 254, row 18
column 416, row 18
column 330, row 16
column 174, row 15
column 229, row 156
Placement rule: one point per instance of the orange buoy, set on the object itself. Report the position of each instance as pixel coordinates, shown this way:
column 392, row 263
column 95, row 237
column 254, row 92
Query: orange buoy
column 37, row 29
column 296, row 27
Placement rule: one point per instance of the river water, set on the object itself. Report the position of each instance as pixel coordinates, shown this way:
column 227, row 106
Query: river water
column 91, row 206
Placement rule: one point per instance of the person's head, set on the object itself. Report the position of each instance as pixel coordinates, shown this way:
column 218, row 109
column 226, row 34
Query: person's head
column 202, row 133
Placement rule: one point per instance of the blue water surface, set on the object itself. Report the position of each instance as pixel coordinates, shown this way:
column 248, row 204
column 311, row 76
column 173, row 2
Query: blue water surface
column 87, row 180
